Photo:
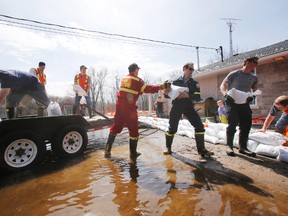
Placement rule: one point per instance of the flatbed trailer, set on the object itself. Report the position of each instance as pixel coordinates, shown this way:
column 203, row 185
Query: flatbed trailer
column 23, row 140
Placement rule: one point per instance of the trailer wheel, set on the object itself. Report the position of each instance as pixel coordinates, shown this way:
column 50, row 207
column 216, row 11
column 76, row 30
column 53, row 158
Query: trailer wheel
column 20, row 150
column 70, row 141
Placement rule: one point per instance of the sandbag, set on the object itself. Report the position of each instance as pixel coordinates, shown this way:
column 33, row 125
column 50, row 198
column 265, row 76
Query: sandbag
column 176, row 91
column 54, row 109
column 283, row 154
column 268, row 138
column 267, row 150
column 211, row 139
column 240, row 97
column 252, row 145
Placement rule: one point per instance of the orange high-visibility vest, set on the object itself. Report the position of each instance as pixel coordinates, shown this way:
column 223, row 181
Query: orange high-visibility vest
column 41, row 77
column 82, row 81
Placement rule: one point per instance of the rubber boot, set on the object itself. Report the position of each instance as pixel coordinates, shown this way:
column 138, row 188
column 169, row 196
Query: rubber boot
column 109, row 143
column 200, row 144
column 229, row 150
column 169, row 140
column 243, row 147
column 10, row 112
column 40, row 111
column 133, row 148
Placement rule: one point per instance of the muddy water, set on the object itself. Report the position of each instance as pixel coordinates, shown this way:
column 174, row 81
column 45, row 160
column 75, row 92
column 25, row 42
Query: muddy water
column 153, row 185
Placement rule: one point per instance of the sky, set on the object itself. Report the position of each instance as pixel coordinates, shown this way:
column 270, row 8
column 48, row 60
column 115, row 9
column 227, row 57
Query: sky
column 190, row 22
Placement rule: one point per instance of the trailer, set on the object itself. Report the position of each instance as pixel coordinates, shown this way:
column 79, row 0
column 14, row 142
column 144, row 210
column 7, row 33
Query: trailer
column 23, row 140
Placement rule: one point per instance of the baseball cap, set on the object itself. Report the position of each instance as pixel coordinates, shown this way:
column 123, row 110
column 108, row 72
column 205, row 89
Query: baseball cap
column 41, row 64
column 83, row 66
column 132, row 67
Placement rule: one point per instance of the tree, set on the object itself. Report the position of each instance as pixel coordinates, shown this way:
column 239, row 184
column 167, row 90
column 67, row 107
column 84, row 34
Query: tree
column 97, row 84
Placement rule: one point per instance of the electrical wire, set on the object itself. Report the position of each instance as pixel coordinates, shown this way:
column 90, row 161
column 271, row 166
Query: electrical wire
column 42, row 26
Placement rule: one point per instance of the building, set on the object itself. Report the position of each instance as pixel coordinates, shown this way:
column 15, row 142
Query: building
column 272, row 73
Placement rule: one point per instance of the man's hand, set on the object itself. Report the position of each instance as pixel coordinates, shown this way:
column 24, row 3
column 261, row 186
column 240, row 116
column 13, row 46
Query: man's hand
column 229, row 99
column 166, row 85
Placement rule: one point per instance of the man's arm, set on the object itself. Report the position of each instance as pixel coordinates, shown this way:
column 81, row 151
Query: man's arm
column 224, row 87
column 267, row 122
column 3, row 94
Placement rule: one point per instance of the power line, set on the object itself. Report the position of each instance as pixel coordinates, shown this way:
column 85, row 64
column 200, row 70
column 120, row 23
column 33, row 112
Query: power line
column 106, row 34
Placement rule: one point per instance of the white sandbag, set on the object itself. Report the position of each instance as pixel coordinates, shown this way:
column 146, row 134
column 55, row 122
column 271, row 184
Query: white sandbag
column 211, row 139
column 163, row 128
column 54, row 109
column 190, row 134
column 210, row 132
column 267, row 150
column 221, row 135
column 216, row 127
column 283, row 154
column 240, row 97
column 252, row 145
column 268, row 138
column 222, row 141
column 176, row 91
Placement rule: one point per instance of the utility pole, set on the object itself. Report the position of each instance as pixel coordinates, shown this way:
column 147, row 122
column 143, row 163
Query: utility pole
column 230, row 22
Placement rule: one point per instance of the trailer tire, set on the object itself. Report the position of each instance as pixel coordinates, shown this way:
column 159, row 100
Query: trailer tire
column 70, row 141
column 21, row 150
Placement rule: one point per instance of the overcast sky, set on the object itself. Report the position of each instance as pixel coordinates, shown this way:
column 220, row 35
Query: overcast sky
column 192, row 22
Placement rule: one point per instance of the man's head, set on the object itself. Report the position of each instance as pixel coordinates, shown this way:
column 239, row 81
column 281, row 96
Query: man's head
column 41, row 66
column 282, row 102
column 250, row 63
column 188, row 69
column 83, row 69
column 133, row 68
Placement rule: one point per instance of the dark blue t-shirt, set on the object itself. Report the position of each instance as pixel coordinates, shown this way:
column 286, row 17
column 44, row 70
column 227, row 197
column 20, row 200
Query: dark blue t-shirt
column 18, row 80
column 283, row 120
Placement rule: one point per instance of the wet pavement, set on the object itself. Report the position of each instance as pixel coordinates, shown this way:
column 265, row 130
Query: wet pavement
column 155, row 184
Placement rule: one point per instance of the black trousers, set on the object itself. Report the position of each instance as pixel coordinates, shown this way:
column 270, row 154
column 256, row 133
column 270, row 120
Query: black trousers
column 238, row 114
column 186, row 108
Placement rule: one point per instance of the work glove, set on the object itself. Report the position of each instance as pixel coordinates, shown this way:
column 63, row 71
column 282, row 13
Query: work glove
column 166, row 85
column 229, row 99
column 250, row 99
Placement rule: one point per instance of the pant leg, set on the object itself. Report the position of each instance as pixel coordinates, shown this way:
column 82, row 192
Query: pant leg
column 119, row 119
column 175, row 115
column 232, row 117
column 25, row 100
column 89, row 104
column 76, row 103
column 194, row 119
column 132, row 123
column 40, row 95
column 245, row 123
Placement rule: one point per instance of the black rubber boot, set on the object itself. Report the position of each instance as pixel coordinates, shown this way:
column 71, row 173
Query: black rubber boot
column 243, row 147
column 109, row 143
column 10, row 112
column 40, row 111
column 229, row 150
column 133, row 148
column 169, row 140
column 200, row 144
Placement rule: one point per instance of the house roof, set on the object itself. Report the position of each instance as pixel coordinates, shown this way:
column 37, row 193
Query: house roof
column 238, row 58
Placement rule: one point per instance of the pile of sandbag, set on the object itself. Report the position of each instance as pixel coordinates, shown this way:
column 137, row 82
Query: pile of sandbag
column 268, row 143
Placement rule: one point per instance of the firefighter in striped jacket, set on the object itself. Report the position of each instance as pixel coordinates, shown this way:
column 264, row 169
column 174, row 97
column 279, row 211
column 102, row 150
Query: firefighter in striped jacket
column 126, row 110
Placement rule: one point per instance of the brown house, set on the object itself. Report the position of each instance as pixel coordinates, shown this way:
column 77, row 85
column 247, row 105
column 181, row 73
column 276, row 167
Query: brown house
column 272, row 73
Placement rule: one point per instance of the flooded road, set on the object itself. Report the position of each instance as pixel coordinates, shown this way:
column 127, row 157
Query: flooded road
column 155, row 184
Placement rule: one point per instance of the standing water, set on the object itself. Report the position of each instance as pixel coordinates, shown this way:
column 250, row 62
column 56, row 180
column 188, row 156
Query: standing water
column 153, row 185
